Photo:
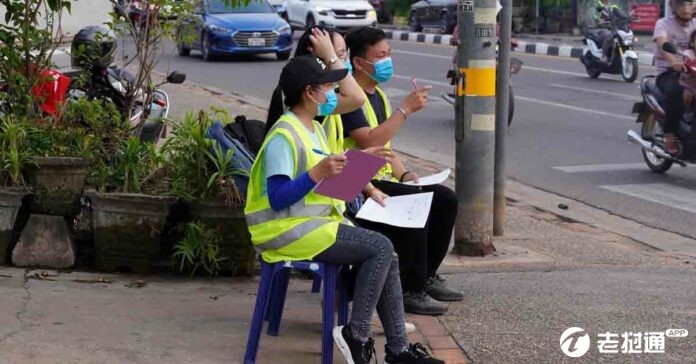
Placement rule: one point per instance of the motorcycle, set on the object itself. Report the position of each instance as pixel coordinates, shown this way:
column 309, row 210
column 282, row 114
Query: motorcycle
column 113, row 84
column 515, row 67
column 651, row 116
column 623, row 59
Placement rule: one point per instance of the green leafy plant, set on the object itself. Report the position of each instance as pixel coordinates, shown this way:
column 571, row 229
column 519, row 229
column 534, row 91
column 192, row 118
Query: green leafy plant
column 198, row 249
column 200, row 170
column 14, row 155
column 135, row 168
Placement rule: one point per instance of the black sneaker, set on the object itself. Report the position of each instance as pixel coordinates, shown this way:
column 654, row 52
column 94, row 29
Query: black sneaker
column 437, row 289
column 353, row 350
column 416, row 354
column 422, row 304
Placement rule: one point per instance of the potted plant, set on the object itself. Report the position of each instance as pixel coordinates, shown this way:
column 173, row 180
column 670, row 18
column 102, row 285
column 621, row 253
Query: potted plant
column 14, row 160
column 129, row 207
column 202, row 176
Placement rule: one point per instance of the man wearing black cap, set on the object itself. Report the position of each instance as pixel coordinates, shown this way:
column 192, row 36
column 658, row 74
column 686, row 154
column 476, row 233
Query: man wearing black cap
column 675, row 28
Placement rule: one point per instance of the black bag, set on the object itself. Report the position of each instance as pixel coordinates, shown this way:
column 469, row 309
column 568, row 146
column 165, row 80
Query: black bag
column 248, row 132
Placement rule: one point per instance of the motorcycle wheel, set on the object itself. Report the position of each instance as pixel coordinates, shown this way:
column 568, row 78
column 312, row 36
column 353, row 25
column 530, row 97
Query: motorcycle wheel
column 593, row 72
column 629, row 70
column 650, row 129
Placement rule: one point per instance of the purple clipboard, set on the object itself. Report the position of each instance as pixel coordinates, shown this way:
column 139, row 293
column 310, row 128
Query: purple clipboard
column 359, row 171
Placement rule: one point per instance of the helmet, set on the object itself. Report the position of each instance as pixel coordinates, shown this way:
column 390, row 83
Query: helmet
column 93, row 47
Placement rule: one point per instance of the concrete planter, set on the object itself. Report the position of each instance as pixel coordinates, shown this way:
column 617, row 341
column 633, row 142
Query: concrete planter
column 58, row 183
column 10, row 202
column 235, row 241
column 127, row 229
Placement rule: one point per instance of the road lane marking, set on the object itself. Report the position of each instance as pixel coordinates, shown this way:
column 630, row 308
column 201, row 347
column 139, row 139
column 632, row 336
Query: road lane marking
column 399, row 51
column 660, row 193
column 601, row 167
column 554, row 71
column 527, row 99
column 574, row 108
column 599, row 92
column 537, row 69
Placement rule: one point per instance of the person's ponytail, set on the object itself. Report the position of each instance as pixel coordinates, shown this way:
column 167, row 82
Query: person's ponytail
column 275, row 109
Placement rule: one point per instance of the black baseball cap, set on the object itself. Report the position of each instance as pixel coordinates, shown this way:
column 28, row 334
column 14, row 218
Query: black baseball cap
column 307, row 70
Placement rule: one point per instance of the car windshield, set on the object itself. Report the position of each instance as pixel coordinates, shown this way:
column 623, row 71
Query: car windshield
column 254, row 6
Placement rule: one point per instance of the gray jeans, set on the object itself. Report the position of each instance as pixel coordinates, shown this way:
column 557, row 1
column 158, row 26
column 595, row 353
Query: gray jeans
column 377, row 284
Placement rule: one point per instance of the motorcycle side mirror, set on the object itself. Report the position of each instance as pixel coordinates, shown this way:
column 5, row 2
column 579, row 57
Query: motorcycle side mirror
column 176, row 77
column 669, row 48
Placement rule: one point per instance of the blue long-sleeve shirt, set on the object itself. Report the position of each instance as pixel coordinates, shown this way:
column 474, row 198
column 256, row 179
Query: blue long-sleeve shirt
column 283, row 192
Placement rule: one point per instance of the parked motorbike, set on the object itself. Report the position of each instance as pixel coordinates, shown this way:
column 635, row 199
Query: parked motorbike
column 623, row 59
column 651, row 116
column 92, row 55
column 515, row 67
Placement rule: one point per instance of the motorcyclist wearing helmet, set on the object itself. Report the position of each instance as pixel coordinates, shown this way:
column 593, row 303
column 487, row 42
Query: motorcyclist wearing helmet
column 676, row 29
column 604, row 11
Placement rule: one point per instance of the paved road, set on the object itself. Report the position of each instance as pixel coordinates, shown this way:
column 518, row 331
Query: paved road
column 568, row 135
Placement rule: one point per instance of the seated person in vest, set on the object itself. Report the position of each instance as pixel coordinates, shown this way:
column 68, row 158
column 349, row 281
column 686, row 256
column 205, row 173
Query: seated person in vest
column 310, row 43
column 288, row 221
column 421, row 251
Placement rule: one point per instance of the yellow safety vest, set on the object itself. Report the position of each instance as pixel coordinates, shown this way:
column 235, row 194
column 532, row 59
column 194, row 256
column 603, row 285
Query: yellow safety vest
column 333, row 126
column 307, row 227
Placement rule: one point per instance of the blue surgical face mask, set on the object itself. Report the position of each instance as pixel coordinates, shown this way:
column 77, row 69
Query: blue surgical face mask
column 327, row 107
column 384, row 70
column 349, row 66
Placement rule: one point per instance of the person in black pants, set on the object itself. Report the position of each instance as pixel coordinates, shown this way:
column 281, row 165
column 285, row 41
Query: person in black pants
column 421, row 251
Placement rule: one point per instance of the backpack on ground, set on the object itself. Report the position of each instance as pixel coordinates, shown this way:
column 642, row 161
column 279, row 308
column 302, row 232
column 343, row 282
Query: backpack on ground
column 248, row 132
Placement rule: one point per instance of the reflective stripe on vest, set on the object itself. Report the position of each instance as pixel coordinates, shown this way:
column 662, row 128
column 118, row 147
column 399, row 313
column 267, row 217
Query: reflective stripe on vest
column 307, row 227
column 386, row 172
column 333, row 128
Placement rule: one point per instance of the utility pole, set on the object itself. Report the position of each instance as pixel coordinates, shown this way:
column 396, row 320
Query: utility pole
column 475, row 116
column 501, row 117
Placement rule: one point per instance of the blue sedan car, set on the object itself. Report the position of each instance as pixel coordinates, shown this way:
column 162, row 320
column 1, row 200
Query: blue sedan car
column 216, row 28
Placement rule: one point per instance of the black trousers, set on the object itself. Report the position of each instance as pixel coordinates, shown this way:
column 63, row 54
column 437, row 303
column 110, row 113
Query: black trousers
column 421, row 251
column 668, row 82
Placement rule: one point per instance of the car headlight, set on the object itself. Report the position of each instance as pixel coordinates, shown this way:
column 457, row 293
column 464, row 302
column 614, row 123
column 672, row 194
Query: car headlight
column 371, row 14
column 285, row 28
column 323, row 11
column 217, row 29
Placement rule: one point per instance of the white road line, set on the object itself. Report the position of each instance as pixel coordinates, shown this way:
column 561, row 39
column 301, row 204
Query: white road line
column 553, row 71
column 537, row 69
column 660, row 193
column 600, row 92
column 399, row 51
column 424, row 81
column 574, row 108
column 527, row 99
column 601, row 167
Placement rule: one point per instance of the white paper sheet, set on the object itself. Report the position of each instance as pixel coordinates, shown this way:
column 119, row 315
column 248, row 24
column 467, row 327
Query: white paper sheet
column 409, row 211
column 434, row 179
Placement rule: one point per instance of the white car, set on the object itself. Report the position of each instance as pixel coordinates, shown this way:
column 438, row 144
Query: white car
column 342, row 15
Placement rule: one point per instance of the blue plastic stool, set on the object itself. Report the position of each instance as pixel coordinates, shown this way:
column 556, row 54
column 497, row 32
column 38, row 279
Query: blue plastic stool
column 270, row 301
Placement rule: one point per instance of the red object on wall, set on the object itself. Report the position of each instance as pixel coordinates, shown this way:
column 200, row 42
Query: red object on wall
column 647, row 15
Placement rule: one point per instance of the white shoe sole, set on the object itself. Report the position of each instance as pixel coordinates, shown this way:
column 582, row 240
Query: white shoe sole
column 342, row 344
